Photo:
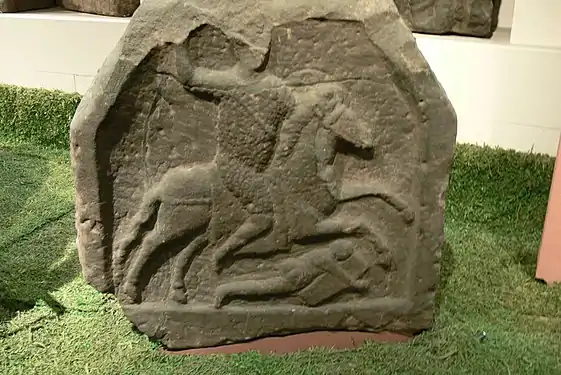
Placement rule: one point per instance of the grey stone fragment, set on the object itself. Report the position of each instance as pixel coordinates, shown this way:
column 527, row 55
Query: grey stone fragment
column 464, row 17
column 13, row 6
column 117, row 8
column 257, row 168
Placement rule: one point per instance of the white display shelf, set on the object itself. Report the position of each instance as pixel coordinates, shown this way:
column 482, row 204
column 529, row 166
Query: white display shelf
column 505, row 94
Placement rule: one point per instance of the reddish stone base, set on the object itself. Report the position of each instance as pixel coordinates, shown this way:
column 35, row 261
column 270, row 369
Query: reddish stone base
column 299, row 342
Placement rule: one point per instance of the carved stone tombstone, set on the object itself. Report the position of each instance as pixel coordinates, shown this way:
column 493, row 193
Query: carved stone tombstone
column 13, row 6
column 116, row 8
column 465, row 17
column 260, row 168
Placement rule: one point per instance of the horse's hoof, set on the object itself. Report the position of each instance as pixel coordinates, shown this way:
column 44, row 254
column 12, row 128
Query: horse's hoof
column 362, row 285
column 216, row 264
column 409, row 217
column 351, row 229
column 179, row 296
column 127, row 294
column 217, row 303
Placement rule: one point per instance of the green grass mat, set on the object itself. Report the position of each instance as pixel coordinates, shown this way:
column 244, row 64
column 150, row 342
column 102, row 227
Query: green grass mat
column 36, row 116
column 53, row 323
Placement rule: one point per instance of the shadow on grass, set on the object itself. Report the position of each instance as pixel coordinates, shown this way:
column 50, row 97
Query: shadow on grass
column 447, row 265
column 527, row 259
column 37, row 254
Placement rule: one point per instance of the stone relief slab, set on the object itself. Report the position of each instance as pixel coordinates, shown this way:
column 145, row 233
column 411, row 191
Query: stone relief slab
column 248, row 169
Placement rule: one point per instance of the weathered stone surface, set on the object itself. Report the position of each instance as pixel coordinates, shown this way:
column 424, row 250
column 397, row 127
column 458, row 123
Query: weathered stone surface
column 12, row 6
column 117, row 8
column 463, row 17
column 257, row 168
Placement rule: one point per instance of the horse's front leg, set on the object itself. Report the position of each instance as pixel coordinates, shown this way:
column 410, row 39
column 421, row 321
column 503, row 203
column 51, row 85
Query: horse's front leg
column 354, row 190
column 339, row 225
column 252, row 228
column 353, row 225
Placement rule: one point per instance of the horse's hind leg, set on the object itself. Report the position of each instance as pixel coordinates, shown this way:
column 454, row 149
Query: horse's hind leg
column 170, row 225
column 151, row 242
column 181, row 266
column 148, row 209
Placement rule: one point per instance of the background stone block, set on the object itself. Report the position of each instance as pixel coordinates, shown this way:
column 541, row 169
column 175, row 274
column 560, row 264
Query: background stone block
column 11, row 6
column 118, row 8
column 465, row 17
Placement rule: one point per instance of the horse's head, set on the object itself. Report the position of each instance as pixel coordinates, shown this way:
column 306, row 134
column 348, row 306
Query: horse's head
column 341, row 119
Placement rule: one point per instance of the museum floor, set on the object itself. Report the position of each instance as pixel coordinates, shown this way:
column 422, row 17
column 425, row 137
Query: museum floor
column 493, row 316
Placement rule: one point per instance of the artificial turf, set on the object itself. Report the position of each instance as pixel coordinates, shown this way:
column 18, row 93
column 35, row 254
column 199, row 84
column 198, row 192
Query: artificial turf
column 51, row 322
column 37, row 116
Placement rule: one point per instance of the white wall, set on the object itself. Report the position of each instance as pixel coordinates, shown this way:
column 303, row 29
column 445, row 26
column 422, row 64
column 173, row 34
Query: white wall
column 505, row 94
column 537, row 23
column 506, row 14
column 55, row 48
